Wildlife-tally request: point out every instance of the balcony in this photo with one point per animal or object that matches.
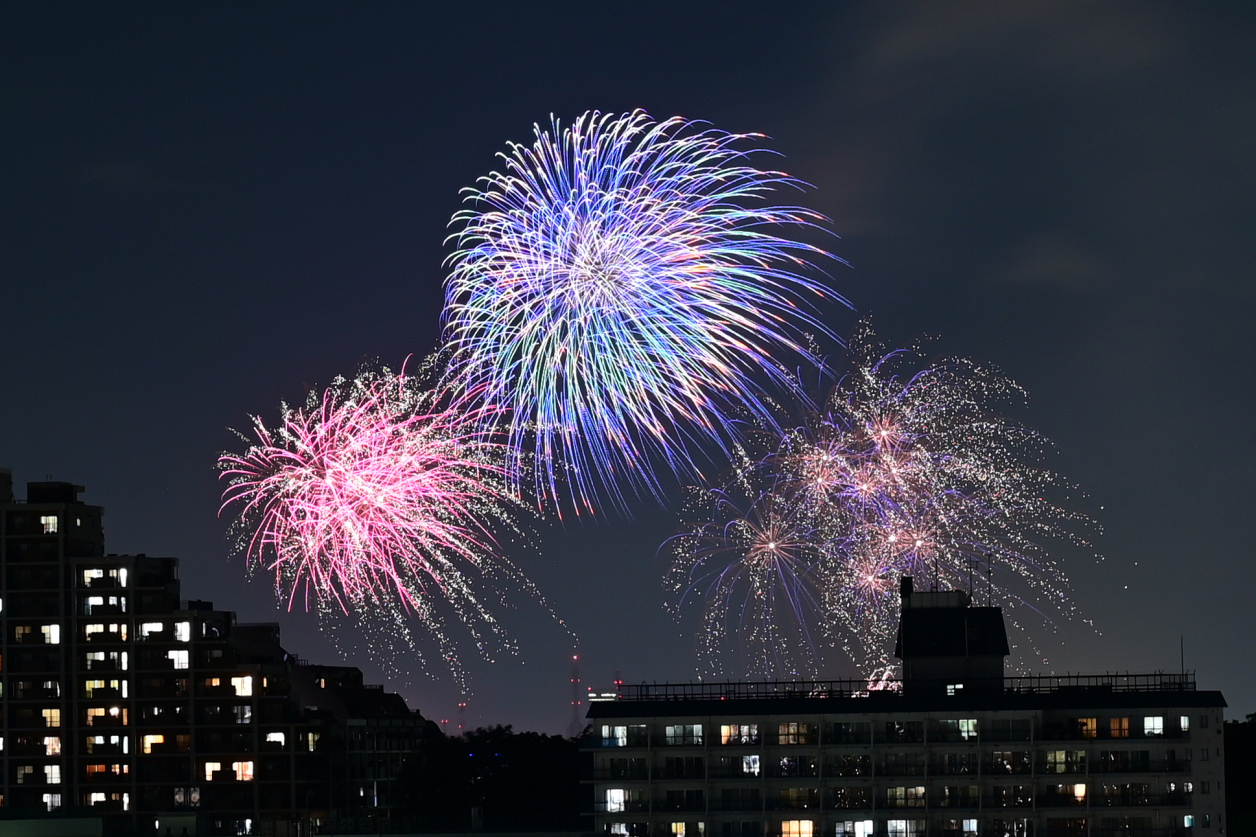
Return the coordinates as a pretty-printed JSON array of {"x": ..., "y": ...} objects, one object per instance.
[
  {"x": 731, "y": 773},
  {"x": 621, "y": 807},
  {"x": 1109, "y": 768},
  {"x": 811, "y": 804},
  {"x": 1003, "y": 768},
  {"x": 680, "y": 806},
  {"x": 687, "y": 772},
  {"x": 1050, "y": 799},
  {"x": 738, "y": 806},
  {"x": 1025, "y": 801}
]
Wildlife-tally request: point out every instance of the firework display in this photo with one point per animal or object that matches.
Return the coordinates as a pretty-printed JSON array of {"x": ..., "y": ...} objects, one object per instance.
[
  {"x": 621, "y": 289},
  {"x": 900, "y": 472},
  {"x": 376, "y": 500},
  {"x": 756, "y": 566}
]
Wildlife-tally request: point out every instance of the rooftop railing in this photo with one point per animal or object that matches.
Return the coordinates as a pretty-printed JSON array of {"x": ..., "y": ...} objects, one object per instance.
[{"x": 794, "y": 689}]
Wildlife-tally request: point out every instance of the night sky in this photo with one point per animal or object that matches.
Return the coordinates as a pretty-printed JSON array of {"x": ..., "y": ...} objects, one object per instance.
[{"x": 206, "y": 209}]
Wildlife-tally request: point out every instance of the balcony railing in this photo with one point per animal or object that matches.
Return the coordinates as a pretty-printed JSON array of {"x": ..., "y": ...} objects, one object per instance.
[
  {"x": 628, "y": 774},
  {"x": 621, "y": 807}
]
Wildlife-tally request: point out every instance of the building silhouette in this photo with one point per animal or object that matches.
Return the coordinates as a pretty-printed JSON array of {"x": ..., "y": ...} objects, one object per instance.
[
  {"x": 954, "y": 747},
  {"x": 164, "y": 715}
]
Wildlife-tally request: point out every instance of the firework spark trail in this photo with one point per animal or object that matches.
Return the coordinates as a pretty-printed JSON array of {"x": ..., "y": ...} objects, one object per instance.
[
  {"x": 614, "y": 290},
  {"x": 378, "y": 499},
  {"x": 908, "y": 475},
  {"x": 757, "y": 568}
]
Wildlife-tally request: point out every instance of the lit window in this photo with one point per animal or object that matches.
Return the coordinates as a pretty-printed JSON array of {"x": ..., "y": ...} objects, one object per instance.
[
  {"x": 243, "y": 686},
  {"x": 149, "y": 628},
  {"x": 178, "y": 658},
  {"x": 684, "y": 734},
  {"x": 312, "y": 740},
  {"x": 952, "y": 689},
  {"x": 243, "y": 770},
  {"x": 968, "y": 729},
  {"x": 52, "y": 745},
  {"x": 792, "y": 732},
  {"x": 243, "y": 714},
  {"x": 797, "y": 828},
  {"x": 1153, "y": 725},
  {"x": 52, "y": 634},
  {"x": 739, "y": 734},
  {"x": 52, "y": 800},
  {"x": 52, "y": 717},
  {"x": 1185, "y": 723},
  {"x": 1079, "y": 792},
  {"x": 905, "y": 828},
  {"x": 90, "y": 630},
  {"x": 49, "y": 523},
  {"x": 211, "y": 767},
  {"x": 615, "y": 799},
  {"x": 1119, "y": 727},
  {"x": 95, "y": 798},
  {"x": 91, "y": 575},
  {"x": 855, "y": 828},
  {"x": 52, "y": 774},
  {"x": 150, "y": 740},
  {"x": 275, "y": 738},
  {"x": 183, "y": 631},
  {"x": 1088, "y": 727},
  {"x": 678, "y": 829},
  {"x": 613, "y": 736},
  {"x": 1188, "y": 821},
  {"x": 21, "y": 632},
  {"x": 121, "y": 576},
  {"x": 23, "y": 772},
  {"x": 750, "y": 765},
  {"x": 969, "y": 827}
]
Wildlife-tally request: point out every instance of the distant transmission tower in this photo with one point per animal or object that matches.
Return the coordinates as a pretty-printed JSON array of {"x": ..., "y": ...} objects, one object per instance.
[
  {"x": 577, "y": 723},
  {"x": 462, "y": 716}
]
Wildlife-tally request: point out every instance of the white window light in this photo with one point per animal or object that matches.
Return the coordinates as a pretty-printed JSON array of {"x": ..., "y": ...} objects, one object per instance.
[
  {"x": 178, "y": 658},
  {"x": 49, "y": 523},
  {"x": 183, "y": 631},
  {"x": 615, "y": 800},
  {"x": 211, "y": 767},
  {"x": 52, "y": 634},
  {"x": 52, "y": 774},
  {"x": 243, "y": 686},
  {"x": 1153, "y": 725},
  {"x": 52, "y": 800},
  {"x": 276, "y": 738},
  {"x": 149, "y": 628}
]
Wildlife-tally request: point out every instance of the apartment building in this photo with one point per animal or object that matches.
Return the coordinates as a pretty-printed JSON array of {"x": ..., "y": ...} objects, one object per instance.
[
  {"x": 952, "y": 748},
  {"x": 164, "y": 715}
]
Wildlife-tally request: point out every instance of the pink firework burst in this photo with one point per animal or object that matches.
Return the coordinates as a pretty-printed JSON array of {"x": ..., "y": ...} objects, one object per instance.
[{"x": 378, "y": 498}]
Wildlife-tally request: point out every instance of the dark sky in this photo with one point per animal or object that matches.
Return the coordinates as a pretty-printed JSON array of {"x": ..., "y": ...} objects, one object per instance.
[{"x": 206, "y": 208}]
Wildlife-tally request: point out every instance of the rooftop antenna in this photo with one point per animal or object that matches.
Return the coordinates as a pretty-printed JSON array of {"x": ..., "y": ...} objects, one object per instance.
[
  {"x": 577, "y": 725},
  {"x": 990, "y": 579}
]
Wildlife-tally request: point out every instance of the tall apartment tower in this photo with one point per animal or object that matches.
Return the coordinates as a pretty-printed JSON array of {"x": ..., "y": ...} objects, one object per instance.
[{"x": 164, "y": 716}]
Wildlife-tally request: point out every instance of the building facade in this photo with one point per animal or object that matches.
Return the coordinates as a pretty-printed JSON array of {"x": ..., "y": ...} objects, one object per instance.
[
  {"x": 164, "y": 715},
  {"x": 953, "y": 748}
]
